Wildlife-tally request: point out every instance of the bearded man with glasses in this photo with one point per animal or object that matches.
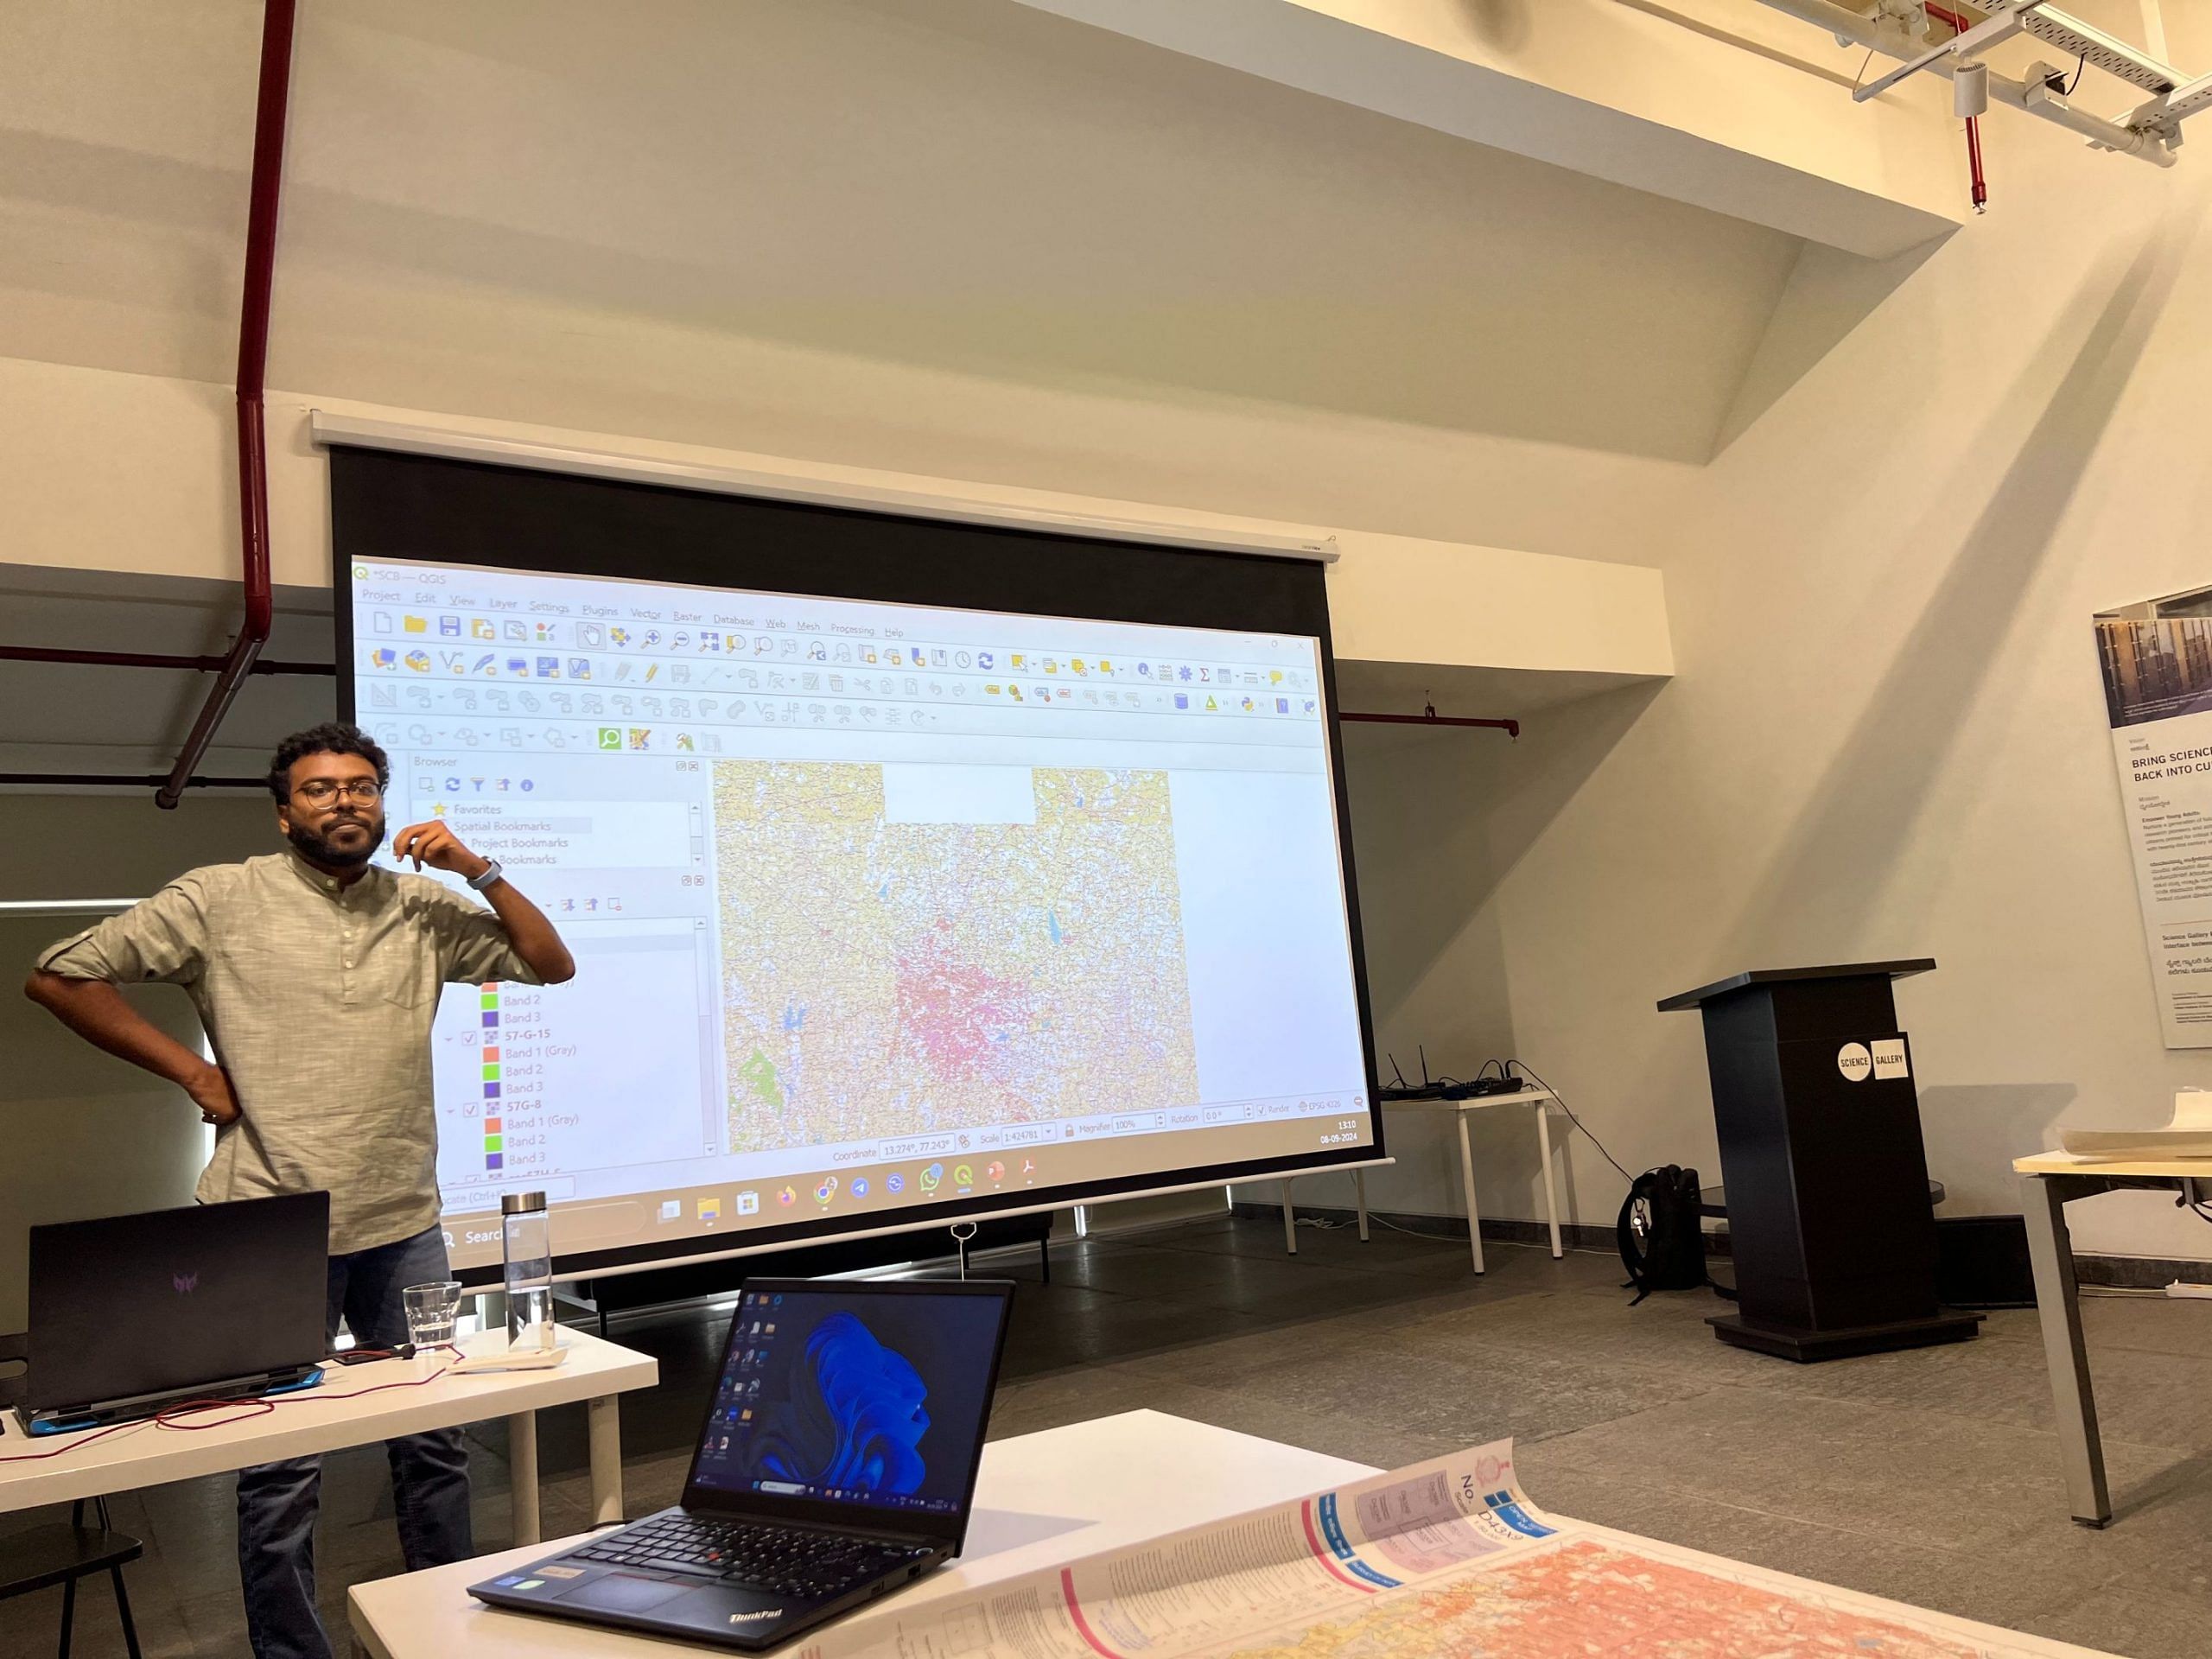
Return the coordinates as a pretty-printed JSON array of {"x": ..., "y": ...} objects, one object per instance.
[{"x": 316, "y": 974}]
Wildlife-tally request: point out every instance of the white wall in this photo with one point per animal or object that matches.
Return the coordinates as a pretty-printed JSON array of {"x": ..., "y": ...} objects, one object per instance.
[
  {"x": 1886, "y": 737},
  {"x": 87, "y": 1135},
  {"x": 130, "y": 473}
]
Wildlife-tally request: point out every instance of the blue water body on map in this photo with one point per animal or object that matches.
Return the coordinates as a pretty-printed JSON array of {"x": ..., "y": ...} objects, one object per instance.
[
  {"x": 794, "y": 1017},
  {"x": 1052, "y": 925}
]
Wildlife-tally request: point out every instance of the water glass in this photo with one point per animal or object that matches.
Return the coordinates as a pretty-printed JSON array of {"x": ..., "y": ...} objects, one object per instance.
[{"x": 431, "y": 1310}]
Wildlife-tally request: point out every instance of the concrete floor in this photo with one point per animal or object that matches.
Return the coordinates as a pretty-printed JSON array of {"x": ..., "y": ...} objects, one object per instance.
[{"x": 1930, "y": 1476}]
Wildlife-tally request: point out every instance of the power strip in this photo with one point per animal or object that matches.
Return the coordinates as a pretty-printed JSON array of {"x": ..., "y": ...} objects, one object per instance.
[{"x": 2182, "y": 1287}]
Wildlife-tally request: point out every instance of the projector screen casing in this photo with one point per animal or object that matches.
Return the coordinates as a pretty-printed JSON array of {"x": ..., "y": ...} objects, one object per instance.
[{"x": 422, "y": 509}]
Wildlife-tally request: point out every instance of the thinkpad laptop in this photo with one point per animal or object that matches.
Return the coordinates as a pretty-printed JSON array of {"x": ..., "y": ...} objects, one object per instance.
[
  {"x": 837, "y": 1461},
  {"x": 132, "y": 1314}
]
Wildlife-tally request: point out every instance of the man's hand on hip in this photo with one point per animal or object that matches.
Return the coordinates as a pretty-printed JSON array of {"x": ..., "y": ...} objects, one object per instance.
[
  {"x": 436, "y": 845},
  {"x": 211, "y": 1091}
]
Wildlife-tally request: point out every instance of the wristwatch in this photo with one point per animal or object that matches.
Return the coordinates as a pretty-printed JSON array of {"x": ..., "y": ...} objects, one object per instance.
[{"x": 490, "y": 872}]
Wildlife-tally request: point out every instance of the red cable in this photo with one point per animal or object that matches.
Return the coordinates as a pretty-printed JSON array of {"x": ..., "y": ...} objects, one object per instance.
[
  {"x": 98, "y": 1434},
  {"x": 1958, "y": 26}
]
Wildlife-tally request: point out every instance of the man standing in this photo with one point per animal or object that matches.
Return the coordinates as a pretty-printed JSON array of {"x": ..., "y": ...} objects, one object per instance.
[{"x": 316, "y": 977}]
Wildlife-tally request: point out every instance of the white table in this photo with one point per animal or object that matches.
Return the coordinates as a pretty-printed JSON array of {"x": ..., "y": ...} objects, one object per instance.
[
  {"x": 1541, "y": 1099},
  {"x": 324, "y": 1418},
  {"x": 1041, "y": 1500},
  {"x": 2049, "y": 1182}
]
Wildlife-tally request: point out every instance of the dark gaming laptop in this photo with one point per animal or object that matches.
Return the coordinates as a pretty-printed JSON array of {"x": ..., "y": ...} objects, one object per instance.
[
  {"x": 132, "y": 1314},
  {"x": 837, "y": 1461}
]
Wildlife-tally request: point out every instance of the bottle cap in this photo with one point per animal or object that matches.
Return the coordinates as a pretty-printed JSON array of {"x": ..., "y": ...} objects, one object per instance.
[{"x": 521, "y": 1204}]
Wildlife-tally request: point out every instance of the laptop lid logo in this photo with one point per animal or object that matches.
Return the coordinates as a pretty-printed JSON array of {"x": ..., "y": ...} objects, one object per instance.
[{"x": 186, "y": 1283}]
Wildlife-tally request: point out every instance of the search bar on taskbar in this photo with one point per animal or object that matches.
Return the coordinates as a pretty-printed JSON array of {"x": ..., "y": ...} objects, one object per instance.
[{"x": 467, "y": 1200}]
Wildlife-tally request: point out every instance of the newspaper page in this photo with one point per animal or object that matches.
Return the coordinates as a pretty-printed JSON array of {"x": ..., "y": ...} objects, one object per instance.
[{"x": 1447, "y": 1557}]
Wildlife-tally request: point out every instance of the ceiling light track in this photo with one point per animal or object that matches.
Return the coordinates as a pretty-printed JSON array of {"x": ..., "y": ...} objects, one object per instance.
[{"x": 2150, "y": 132}]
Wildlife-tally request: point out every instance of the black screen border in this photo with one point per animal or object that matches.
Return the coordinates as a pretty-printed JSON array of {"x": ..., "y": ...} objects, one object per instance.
[{"x": 428, "y": 509}]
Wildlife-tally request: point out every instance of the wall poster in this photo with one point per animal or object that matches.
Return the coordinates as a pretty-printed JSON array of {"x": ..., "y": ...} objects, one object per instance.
[{"x": 2157, "y": 662}]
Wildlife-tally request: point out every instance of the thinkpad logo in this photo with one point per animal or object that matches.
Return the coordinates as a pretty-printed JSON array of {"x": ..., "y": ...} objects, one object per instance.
[{"x": 754, "y": 1618}]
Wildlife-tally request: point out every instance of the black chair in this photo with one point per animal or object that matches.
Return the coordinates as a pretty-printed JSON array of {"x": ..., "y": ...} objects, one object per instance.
[{"x": 43, "y": 1556}]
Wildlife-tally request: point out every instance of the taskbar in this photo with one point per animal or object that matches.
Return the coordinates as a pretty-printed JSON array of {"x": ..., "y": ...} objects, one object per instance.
[{"x": 876, "y": 1193}]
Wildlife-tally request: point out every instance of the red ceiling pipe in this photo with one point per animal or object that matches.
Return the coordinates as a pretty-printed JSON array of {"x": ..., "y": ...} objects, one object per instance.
[
  {"x": 1959, "y": 25},
  {"x": 253, "y": 362}
]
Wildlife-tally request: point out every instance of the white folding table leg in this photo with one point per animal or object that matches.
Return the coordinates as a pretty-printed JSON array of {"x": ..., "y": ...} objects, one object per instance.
[
  {"x": 1468, "y": 1186},
  {"x": 1289, "y": 1220},
  {"x": 1551, "y": 1198},
  {"x": 1359, "y": 1192},
  {"x": 2059, "y": 1307},
  {"x": 522, "y": 1467},
  {"x": 603, "y": 1417}
]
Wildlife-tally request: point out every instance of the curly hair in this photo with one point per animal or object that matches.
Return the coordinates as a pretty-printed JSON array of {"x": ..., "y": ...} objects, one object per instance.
[{"x": 332, "y": 737}]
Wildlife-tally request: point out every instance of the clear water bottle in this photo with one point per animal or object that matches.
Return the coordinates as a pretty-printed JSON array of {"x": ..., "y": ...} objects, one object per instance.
[{"x": 529, "y": 1246}]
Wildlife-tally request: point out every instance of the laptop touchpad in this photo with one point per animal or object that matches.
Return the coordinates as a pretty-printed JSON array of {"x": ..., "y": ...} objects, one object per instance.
[{"x": 618, "y": 1593}]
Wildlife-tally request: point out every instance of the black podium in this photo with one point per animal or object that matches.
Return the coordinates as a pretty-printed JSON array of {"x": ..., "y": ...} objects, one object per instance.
[{"x": 1828, "y": 1215}]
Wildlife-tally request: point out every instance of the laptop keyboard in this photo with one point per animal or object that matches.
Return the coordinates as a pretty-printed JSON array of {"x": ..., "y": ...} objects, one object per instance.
[{"x": 795, "y": 1562}]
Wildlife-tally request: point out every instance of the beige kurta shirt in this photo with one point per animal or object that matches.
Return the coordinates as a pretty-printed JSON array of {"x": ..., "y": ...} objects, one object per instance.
[{"x": 317, "y": 999}]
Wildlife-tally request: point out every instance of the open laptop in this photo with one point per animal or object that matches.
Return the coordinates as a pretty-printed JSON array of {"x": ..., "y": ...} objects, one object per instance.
[
  {"x": 837, "y": 1461},
  {"x": 132, "y": 1314}
]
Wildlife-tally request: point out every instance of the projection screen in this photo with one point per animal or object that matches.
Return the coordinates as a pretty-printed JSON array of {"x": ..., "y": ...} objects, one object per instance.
[{"x": 914, "y": 870}]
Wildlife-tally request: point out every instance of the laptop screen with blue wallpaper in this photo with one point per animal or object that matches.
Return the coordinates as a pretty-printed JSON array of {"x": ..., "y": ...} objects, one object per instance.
[{"x": 845, "y": 1395}]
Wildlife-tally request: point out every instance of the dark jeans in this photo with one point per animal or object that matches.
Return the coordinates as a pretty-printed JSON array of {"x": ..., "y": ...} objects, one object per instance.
[{"x": 429, "y": 1472}]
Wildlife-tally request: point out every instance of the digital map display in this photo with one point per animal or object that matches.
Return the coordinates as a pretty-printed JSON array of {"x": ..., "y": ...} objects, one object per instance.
[{"x": 873, "y": 906}]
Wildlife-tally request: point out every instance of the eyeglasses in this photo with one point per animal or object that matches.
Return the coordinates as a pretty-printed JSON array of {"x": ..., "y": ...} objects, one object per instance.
[{"x": 320, "y": 792}]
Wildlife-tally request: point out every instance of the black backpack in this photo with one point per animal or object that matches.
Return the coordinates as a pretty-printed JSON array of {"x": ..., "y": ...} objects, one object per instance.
[{"x": 1662, "y": 1244}]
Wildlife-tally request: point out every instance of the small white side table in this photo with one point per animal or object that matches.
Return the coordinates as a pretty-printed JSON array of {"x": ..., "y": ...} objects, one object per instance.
[{"x": 1541, "y": 1099}]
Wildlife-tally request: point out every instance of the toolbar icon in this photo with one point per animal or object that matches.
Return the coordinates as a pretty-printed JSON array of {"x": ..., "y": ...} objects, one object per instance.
[
  {"x": 932, "y": 1177},
  {"x": 610, "y": 737}
]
